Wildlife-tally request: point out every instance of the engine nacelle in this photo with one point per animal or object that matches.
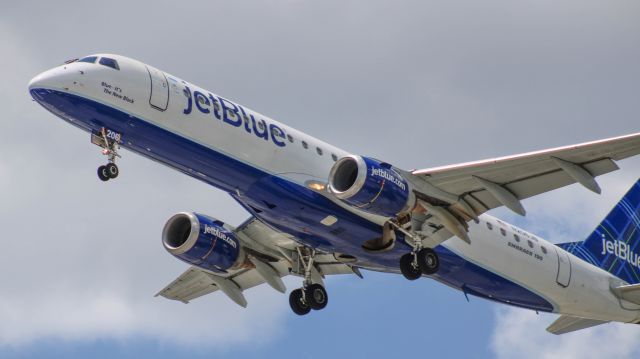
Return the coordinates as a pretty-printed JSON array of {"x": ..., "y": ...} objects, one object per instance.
[
  {"x": 371, "y": 185},
  {"x": 202, "y": 241}
]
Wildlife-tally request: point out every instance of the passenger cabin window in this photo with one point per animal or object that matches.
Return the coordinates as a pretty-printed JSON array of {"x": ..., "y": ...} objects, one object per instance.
[
  {"x": 503, "y": 232},
  {"x": 489, "y": 226},
  {"x": 319, "y": 150},
  {"x": 89, "y": 59},
  {"x": 109, "y": 63},
  {"x": 305, "y": 145}
]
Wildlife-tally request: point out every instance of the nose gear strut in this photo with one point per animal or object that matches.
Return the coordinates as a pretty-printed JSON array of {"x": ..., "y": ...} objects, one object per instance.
[{"x": 109, "y": 141}]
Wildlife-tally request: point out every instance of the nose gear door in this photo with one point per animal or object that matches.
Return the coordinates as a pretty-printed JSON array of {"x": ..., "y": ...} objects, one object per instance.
[{"x": 159, "y": 97}]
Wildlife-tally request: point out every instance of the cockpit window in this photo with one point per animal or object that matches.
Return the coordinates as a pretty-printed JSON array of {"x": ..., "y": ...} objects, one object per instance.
[
  {"x": 90, "y": 59},
  {"x": 110, "y": 63}
]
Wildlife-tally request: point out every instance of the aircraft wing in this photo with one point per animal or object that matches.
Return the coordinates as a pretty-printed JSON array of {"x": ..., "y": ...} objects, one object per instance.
[
  {"x": 196, "y": 282},
  {"x": 271, "y": 257},
  {"x": 505, "y": 181}
]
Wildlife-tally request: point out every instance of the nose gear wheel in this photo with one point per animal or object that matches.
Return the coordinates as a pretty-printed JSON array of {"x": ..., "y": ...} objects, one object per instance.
[{"x": 105, "y": 139}]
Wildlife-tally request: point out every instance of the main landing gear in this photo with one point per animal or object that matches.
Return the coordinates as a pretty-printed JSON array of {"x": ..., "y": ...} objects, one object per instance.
[
  {"x": 109, "y": 142},
  {"x": 311, "y": 295},
  {"x": 419, "y": 261}
]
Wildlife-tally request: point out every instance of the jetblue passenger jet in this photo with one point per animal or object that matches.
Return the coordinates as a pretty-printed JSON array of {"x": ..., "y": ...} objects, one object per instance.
[{"x": 316, "y": 210}]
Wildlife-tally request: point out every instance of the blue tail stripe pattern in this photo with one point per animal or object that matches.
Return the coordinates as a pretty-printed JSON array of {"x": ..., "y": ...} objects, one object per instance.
[{"x": 614, "y": 245}]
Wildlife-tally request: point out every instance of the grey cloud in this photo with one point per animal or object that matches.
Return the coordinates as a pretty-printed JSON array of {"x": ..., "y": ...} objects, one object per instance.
[{"x": 416, "y": 83}]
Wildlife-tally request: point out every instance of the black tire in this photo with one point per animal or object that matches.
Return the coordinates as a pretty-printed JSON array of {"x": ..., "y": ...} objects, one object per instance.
[
  {"x": 407, "y": 268},
  {"x": 297, "y": 304},
  {"x": 112, "y": 170},
  {"x": 317, "y": 297},
  {"x": 102, "y": 173},
  {"x": 428, "y": 261}
]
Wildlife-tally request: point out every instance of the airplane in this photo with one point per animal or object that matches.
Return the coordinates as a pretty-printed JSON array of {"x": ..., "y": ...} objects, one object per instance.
[{"x": 317, "y": 210}]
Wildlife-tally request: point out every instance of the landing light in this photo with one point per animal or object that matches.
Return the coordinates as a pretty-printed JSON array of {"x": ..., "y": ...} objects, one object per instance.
[{"x": 316, "y": 186}]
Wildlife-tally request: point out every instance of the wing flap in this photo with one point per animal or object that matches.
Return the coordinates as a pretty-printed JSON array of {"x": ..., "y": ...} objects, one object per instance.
[
  {"x": 196, "y": 282},
  {"x": 191, "y": 284},
  {"x": 566, "y": 324},
  {"x": 530, "y": 186}
]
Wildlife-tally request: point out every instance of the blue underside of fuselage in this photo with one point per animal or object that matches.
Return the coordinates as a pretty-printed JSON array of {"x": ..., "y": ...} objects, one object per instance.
[{"x": 284, "y": 205}]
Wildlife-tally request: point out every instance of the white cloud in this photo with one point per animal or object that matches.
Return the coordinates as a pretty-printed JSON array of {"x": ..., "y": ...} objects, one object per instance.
[
  {"x": 567, "y": 215},
  {"x": 521, "y": 334}
]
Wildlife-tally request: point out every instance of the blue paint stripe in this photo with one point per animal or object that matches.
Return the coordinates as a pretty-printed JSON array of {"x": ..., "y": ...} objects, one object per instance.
[{"x": 295, "y": 205}]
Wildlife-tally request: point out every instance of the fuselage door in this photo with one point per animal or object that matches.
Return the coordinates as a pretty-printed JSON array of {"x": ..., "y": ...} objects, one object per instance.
[
  {"x": 564, "y": 268},
  {"x": 159, "y": 98}
]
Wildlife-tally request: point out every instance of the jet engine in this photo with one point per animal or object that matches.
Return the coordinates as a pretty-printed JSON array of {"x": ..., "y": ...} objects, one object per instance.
[
  {"x": 202, "y": 241},
  {"x": 371, "y": 185}
]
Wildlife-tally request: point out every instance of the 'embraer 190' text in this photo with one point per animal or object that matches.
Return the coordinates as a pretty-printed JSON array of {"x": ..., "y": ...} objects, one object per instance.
[{"x": 234, "y": 115}]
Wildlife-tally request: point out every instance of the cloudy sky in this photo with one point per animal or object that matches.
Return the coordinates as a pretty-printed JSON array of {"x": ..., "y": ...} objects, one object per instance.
[{"x": 417, "y": 83}]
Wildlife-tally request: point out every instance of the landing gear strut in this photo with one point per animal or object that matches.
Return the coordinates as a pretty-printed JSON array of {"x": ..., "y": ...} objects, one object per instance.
[
  {"x": 419, "y": 261},
  {"x": 311, "y": 295},
  {"x": 109, "y": 142}
]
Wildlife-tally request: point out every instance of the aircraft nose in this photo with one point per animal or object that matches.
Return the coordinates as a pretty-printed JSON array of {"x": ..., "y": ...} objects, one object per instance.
[
  {"x": 56, "y": 79},
  {"x": 35, "y": 82},
  {"x": 42, "y": 80}
]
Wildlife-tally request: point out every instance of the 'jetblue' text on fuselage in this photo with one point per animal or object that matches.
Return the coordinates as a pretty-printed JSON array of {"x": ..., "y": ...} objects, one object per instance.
[{"x": 233, "y": 114}]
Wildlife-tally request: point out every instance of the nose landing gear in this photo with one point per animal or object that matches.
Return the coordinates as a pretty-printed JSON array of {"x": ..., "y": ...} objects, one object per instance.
[
  {"x": 109, "y": 141},
  {"x": 108, "y": 171}
]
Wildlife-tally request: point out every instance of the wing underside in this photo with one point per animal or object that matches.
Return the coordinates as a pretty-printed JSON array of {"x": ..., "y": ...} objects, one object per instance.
[
  {"x": 525, "y": 175},
  {"x": 272, "y": 256}
]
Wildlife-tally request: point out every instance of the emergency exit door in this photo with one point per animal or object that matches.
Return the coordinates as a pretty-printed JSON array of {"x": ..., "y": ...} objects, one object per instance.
[
  {"x": 564, "y": 268},
  {"x": 159, "y": 97}
]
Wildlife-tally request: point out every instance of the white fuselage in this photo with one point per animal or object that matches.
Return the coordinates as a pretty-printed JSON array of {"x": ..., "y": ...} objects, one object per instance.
[{"x": 571, "y": 285}]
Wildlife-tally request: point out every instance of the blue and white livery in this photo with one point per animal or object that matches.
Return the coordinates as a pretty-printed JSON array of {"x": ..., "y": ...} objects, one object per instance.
[{"x": 317, "y": 210}]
